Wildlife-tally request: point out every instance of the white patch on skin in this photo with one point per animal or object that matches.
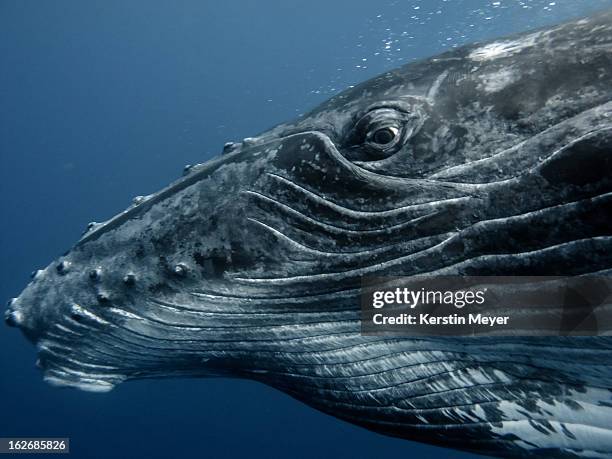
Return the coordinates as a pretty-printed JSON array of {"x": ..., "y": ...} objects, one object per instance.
[
  {"x": 501, "y": 49},
  {"x": 84, "y": 312},
  {"x": 65, "y": 329},
  {"x": 435, "y": 87},
  {"x": 17, "y": 317},
  {"x": 498, "y": 80},
  {"x": 272, "y": 153},
  {"x": 587, "y": 425},
  {"x": 127, "y": 314},
  {"x": 88, "y": 386}
]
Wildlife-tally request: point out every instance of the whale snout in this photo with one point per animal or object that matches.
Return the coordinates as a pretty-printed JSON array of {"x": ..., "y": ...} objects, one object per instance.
[
  {"x": 16, "y": 316},
  {"x": 48, "y": 315},
  {"x": 36, "y": 303},
  {"x": 45, "y": 306}
]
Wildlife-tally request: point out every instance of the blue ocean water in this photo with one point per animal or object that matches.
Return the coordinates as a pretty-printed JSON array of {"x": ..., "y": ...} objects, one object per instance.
[{"x": 102, "y": 101}]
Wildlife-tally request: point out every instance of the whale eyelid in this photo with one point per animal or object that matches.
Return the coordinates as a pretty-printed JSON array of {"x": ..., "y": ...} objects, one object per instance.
[
  {"x": 402, "y": 106},
  {"x": 416, "y": 109}
]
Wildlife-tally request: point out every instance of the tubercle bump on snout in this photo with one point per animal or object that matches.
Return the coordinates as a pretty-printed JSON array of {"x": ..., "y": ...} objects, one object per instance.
[
  {"x": 102, "y": 282},
  {"x": 11, "y": 316},
  {"x": 63, "y": 267}
]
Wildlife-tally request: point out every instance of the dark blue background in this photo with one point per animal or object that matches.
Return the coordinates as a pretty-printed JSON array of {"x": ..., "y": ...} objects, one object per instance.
[{"x": 104, "y": 100}]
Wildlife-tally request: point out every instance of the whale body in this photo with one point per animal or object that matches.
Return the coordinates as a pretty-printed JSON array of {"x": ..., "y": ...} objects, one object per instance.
[{"x": 491, "y": 159}]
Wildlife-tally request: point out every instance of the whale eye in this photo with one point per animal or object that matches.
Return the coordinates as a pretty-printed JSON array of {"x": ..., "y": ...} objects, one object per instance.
[
  {"x": 384, "y": 136},
  {"x": 380, "y": 133}
]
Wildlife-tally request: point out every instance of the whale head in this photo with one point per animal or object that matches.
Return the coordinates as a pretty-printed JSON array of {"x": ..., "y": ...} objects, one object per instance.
[{"x": 489, "y": 159}]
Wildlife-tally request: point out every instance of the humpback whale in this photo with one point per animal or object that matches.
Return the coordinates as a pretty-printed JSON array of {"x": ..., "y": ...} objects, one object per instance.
[{"x": 490, "y": 159}]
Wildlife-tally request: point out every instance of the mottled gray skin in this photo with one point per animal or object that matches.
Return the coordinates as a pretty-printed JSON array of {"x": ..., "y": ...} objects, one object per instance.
[{"x": 490, "y": 159}]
